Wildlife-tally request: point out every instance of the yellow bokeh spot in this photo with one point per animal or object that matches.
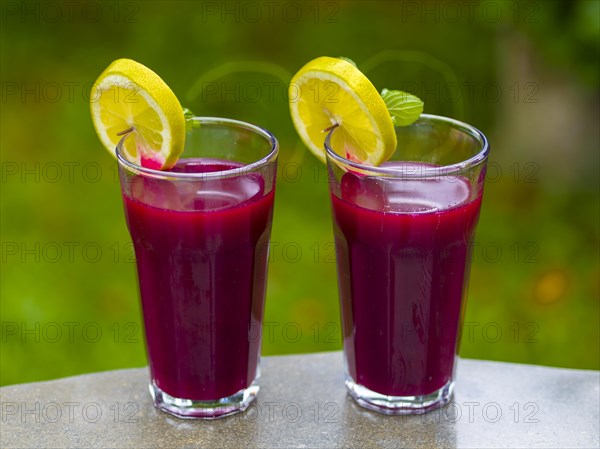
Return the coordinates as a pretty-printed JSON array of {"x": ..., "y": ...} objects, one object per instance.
[{"x": 551, "y": 286}]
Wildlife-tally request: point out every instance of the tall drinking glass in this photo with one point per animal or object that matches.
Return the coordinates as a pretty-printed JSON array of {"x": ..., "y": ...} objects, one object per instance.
[
  {"x": 201, "y": 236},
  {"x": 403, "y": 235}
]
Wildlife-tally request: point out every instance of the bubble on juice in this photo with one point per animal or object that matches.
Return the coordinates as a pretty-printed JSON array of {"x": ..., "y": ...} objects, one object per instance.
[
  {"x": 202, "y": 193},
  {"x": 363, "y": 191},
  {"x": 221, "y": 193},
  {"x": 411, "y": 191},
  {"x": 155, "y": 192}
]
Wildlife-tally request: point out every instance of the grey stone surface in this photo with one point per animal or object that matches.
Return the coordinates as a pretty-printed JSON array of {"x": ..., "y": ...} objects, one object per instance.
[{"x": 303, "y": 403}]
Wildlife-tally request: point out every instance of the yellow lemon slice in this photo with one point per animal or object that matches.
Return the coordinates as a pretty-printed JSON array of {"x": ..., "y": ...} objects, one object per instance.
[
  {"x": 330, "y": 92},
  {"x": 129, "y": 97}
]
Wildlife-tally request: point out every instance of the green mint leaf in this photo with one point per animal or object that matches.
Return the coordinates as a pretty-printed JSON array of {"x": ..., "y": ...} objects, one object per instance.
[
  {"x": 347, "y": 60},
  {"x": 404, "y": 108},
  {"x": 189, "y": 124}
]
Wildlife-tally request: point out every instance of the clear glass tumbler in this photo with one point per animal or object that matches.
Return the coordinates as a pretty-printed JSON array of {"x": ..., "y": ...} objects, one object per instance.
[
  {"x": 403, "y": 233},
  {"x": 201, "y": 236}
]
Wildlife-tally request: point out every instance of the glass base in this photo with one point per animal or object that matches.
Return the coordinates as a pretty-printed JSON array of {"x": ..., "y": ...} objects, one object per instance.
[
  {"x": 192, "y": 409},
  {"x": 399, "y": 405}
]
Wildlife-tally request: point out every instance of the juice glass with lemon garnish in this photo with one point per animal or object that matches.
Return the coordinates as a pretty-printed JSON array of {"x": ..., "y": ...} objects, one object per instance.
[
  {"x": 198, "y": 205},
  {"x": 405, "y": 202}
]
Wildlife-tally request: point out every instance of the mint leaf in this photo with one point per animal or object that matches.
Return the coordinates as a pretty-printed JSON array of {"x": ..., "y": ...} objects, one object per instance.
[
  {"x": 347, "y": 60},
  {"x": 189, "y": 124},
  {"x": 404, "y": 108}
]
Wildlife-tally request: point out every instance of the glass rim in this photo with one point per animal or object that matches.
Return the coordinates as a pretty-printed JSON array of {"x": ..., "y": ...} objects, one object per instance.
[
  {"x": 424, "y": 171},
  {"x": 219, "y": 174}
]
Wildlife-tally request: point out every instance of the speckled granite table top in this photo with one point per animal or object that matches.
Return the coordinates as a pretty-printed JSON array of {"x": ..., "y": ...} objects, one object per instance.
[{"x": 303, "y": 403}]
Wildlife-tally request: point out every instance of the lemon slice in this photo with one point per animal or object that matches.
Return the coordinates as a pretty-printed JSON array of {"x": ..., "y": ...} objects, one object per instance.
[
  {"x": 330, "y": 92},
  {"x": 129, "y": 97}
]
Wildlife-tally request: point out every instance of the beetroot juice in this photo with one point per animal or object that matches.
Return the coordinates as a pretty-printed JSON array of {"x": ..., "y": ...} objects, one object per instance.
[
  {"x": 403, "y": 262},
  {"x": 202, "y": 260},
  {"x": 403, "y": 234},
  {"x": 201, "y": 233}
]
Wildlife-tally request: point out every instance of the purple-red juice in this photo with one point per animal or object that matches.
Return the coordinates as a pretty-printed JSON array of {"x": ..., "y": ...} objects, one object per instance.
[
  {"x": 201, "y": 249},
  {"x": 403, "y": 251}
]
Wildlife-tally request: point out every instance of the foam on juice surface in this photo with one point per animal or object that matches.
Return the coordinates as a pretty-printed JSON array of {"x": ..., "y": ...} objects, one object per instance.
[
  {"x": 206, "y": 194},
  {"x": 411, "y": 193}
]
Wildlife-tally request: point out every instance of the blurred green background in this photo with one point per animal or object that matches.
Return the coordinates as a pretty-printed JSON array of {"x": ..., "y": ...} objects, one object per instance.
[{"x": 525, "y": 73}]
